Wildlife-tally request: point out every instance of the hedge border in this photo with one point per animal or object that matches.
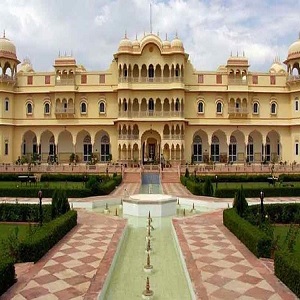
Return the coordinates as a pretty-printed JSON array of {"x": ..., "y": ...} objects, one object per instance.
[
  {"x": 7, "y": 274},
  {"x": 253, "y": 238}
]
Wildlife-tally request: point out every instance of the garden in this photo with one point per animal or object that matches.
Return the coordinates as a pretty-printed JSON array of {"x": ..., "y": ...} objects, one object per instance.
[
  {"x": 29, "y": 231},
  {"x": 75, "y": 186},
  {"x": 271, "y": 231},
  {"x": 225, "y": 186}
]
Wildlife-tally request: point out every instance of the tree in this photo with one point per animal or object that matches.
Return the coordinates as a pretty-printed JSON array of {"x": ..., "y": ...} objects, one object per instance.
[
  {"x": 60, "y": 203},
  {"x": 240, "y": 203},
  {"x": 208, "y": 189}
]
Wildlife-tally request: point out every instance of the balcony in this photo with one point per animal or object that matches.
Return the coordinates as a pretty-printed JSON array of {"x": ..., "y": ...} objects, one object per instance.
[
  {"x": 237, "y": 81},
  {"x": 150, "y": 79},
  {"x": 292, "y": 78},
  {"x": 7, "y": 79},
  {"x": 128, "y": 137},
  {"x": 64, "y": 112},
  {"x": 64, "y": 81},
  {"x": 236, "y": 111},
  {"x": 150, "y": 114},
  {"x": 173, "y": 136}
]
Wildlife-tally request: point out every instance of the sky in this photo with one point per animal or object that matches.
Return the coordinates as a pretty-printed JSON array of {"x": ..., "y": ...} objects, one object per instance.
[{"x": 91, "y": 30}]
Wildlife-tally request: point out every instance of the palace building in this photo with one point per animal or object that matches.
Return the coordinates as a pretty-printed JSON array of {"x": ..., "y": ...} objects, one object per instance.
[{"x": 150, "y": 104}]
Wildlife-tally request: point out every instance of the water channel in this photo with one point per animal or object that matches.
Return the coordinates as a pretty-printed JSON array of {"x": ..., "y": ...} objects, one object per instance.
[{"x": 168, "y": 279}]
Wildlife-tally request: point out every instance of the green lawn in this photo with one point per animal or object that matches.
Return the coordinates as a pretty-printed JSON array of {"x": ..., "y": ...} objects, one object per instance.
[
  {"x": 58, "y": 184},
  {"x": 8, "y": 229},
  {"x": 282, "y": 232}
]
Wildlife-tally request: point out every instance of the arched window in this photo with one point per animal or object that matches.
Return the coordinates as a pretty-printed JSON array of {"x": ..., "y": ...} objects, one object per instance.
[
  {"x": 46, "y": 108},
  {"x": 151, "y": 71},
  {"x": 297, "y": 147},
  {"x": 200, "y": 107},
  {"x": 83, "y": 108},
  {"x": 6, "y": 104},
  {"x": 102, "y": 107},
  {"x": 268, "y": 150},
  {"x": 151, "y": 105},
  {"x": 215, "y": 149},
  {"x": 255, "y": 108},
  {"x": 104, "y": 149},
  {"x": 87, "y": 149},
  {"x": 273, "y": 108},
  {"x": 296, "y": 104},
  {"x": 219, "y": 107},
  {"x": 29, "y": 108},
  {"x": 250, "y": 150},
  {"x": 177, "y": 105},
  {"x": 232, "y": 149},
  {"x": 125, "y": 72},
  {"x": 197, "y": 147}
]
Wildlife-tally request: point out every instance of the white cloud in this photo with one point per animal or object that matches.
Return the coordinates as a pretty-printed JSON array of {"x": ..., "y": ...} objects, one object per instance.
[{"x": 92, "y": 29}]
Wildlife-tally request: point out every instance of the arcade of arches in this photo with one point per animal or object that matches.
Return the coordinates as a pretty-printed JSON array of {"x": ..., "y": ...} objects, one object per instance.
[{"x": 149, "y": 146}]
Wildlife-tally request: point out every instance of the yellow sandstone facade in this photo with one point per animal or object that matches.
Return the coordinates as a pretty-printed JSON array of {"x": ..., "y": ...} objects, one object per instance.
[{"x": 151, "y": 104}]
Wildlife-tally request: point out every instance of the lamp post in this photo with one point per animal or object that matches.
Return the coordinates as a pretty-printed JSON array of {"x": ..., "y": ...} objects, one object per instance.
[
  {"x": 40, "y": 196},
  {"x": 262, "y": 211},
  {"x": 216, "y": 182}
]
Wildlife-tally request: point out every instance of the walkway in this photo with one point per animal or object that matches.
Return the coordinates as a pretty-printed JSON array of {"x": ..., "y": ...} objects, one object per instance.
[{"x": 219, "y": 265}]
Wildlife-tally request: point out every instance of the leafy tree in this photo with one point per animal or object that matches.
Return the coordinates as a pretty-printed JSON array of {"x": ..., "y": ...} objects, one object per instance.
[
  {"x": 208, "y": 189},
  {"x": 240, "y": 203}
]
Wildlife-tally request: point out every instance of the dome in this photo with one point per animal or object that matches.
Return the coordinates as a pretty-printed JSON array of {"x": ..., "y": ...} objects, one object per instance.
[
  {"x": 7, "y": 48},
  {"x": 166, "y": 44},
  {"x": 26, "y": 66},
  {"x": 294, "y": 49},
  {"x": 135, "y": 44},
  {"x": 277, "y": 68},
  {"x": 177, "y": 44},
  {"x": 125, "y": 45}
]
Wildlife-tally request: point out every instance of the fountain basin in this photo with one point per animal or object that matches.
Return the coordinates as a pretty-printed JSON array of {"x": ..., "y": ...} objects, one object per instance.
[{"x": 159, "y": 205}]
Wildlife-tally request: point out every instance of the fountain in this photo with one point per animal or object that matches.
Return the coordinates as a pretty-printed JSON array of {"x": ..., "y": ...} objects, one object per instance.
[
  {"x": 149, "y": 226},
  {"x": 106, "y": 209},
  {"x": 193, "y": 210},
  {"x": 148, "y": 248},
  {"x": 148, "y": 267},
  {"x": 147, "y": 293},
  {"x": 139, "y": 205}
]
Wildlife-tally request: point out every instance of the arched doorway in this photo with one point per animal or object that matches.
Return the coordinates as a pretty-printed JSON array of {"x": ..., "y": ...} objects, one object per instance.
[{"x": 151, "y": 144}]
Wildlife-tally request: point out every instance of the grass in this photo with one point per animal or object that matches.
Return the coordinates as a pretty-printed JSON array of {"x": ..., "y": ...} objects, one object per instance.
[
  {"x": 8, "y": 230},
  {"x": 282, "y": 231}
]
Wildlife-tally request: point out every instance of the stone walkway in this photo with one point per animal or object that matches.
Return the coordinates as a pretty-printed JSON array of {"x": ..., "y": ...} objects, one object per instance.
[
  {"x": 77, "y": 266},
  {"x": 219, "y": 265}
]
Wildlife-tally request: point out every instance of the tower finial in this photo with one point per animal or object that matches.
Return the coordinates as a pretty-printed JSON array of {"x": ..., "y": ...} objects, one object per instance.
[
  {"x": 176, "y": 35},
  {"x": 58, "y": 53},
  {"x": 243, "y": 53},
  {"x": 4, "y": 33},
  {"x": 299, "y": 35},
  {"x": 166, "y": 36},
  {"x": 125, "y": 34},
  {"x": 237, "y": 53},
  {"x": 231, "y": 53},
  {"x": 150, "y": 17},
  {"x": 136, "y": 36}
]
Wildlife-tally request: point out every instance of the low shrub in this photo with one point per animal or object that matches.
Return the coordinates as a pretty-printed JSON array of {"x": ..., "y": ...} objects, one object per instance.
[
  {"x": 254, "y": 192},
  {"x": 254, "y": 239},
  {"x": 60, "y": 204},
  {"x": 284, "y": 213},
  {"x": 7, "y": 274},
  {"x": 37, "y": 245},
  {"x": 194, "y": 187},
  {"x": 23, "y": 212},
  {"x": 287, "y": 269}
]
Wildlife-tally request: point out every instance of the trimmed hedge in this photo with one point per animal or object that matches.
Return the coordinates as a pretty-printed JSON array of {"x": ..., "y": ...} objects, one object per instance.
[
  {"x": 287, "y": 269},
  {"x": 31, "y": 192},
  {"x": 37, "y": 245},
  {"x": 253, "y": 238},
  {"x": 23, "y": 212},
  {"x": 283, "y": 213},
  {"x": 236, "y": 178},
  {"x": 254, "y": 192},
  {"x": 7, "y": 274}
]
